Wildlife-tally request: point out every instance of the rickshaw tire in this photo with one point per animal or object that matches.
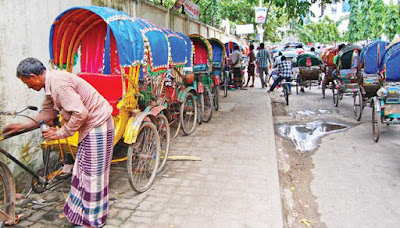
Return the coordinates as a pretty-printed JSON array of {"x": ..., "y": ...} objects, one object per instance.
[
  {"x": 376, "y": 123},
  {"x": 6, "y": 197},
  {"x": 226, "y": 86},
  {"x": 323, "y": 89},
  {"x": 176, "y": 129},
  {"x": 358, "y": 96},
  {"x": 209, "y": 97},
  {"x": 133, "y": 155},
  {"x": 163, "y": 155},
  {"x": 200, "y": 105},
  {"x": 216, "y": 98},
  {"x": 188, "y": 130}
]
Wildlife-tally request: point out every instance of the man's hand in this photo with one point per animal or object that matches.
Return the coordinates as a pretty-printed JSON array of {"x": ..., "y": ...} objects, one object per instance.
[
  {"x": 13, "y": 128},
  {"x": 50, "y": 134}
]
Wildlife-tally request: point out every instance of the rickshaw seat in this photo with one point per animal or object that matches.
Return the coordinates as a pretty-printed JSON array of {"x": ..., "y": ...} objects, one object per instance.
[{"x": 109, "y": 86}]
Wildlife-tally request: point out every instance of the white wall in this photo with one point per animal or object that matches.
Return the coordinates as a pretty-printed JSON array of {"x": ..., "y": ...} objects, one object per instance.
[{"x": 25, "y": 28}]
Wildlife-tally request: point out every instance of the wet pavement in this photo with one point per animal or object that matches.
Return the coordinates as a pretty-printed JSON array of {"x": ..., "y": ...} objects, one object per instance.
[
  {"x": 307, "y": 136},
  {"x": 234, "y": 185}
]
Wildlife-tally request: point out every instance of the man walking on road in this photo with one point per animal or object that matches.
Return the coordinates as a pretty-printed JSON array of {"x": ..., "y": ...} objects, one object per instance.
[{"x": 263, "y": 58}]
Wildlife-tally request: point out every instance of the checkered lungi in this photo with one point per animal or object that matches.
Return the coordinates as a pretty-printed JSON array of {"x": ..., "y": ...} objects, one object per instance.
[{"x": 87, "y": 202}]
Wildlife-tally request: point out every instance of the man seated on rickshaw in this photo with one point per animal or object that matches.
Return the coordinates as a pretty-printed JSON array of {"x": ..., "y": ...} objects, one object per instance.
[
  {"x": 284, "y": 72},
  {"x": 336, "y": 61}
]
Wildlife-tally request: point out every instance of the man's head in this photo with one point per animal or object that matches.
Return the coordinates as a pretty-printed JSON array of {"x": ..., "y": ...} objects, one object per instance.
[
  {"x": 262, "y": 46},
  {"x": 312, "y": 49},
  {"x": 251, "y": 47},
  {"x": 280, "y": 54},
  {"x": 30, "y": 71},
  {"x": 283, "y": 58},
  {"x": 236, "y": 48},
  {"x": 341, "y": 46}
]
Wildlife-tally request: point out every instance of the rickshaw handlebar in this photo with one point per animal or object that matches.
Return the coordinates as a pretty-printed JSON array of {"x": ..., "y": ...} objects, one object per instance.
[{"x": 16, "y": 113}]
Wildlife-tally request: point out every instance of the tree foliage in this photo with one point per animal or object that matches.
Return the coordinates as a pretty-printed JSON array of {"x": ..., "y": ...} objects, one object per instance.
[
  {"x": 392, "y": 26},
  {"x": 324, "y": 31}
]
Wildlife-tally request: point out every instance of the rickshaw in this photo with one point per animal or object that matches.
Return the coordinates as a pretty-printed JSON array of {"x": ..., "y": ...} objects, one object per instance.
[
  {"x": 218, "y": 60},
  {"x": 180, "y": 99},
  {"x": 202, "y": 69},
  {"x": 116, "y": 57},
  {"x": 329, "y": 67},
  {"x": 310, "y": 67},
  {"x": 348, "y": 73},
  {"x": 386, "y": 103},
  {"x": 229, "y": 47},
  {"x": 370, "y": 58}
]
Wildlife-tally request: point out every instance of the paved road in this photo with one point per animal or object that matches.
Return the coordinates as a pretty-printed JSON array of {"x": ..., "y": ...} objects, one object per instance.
[
  {"x": 234, "y": 185},
  {"x": 353, "y": 179}
]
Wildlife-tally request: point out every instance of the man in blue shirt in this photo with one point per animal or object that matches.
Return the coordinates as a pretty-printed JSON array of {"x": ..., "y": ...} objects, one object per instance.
[{"x": 263, "y": 58}]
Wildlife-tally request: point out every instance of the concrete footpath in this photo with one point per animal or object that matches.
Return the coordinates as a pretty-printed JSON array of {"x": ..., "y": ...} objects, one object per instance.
[{"x": 235, "y": 184}]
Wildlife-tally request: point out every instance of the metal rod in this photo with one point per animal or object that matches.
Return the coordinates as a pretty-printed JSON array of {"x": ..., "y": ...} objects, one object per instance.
[{"x": 21, "y": 165}]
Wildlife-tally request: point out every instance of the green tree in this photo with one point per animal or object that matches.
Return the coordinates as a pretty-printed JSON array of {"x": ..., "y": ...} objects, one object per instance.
[
  {"x": 324, "y": 31},
  {"x": 392, "y": 26}
]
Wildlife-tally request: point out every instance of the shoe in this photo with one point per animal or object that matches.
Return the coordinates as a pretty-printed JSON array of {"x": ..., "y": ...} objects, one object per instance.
[
  {"x": 243, "y": 89},
  {"x": 246, "y": 86},
  {"x": 302, "y": 90},
  {"x": 251, "y": 86}
]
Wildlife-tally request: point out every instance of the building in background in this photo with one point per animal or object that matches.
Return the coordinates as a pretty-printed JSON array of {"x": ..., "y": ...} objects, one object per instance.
[{"x": 335, "y": 11}]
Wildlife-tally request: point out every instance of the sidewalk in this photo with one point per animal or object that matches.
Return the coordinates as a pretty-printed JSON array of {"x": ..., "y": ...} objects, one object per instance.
[{"x": 235, "y": 184}]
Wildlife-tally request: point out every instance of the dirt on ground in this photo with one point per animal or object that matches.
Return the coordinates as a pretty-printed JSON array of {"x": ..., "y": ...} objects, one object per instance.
[{"x": 300, "y": 208}]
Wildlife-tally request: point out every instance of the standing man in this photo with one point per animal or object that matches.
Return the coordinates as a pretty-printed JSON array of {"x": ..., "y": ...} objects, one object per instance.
[
  {"x": 263, "y": 62},
  {"x": 251, "y": 66},
  {"x": 87, "y": 112},
  {"x": 236, "y": 62}
]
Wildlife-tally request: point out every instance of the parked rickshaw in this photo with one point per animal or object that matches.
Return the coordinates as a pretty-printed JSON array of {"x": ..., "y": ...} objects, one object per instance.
[
  {"x": 386, "y": 103},
  {"x": 218, "y": 70},
  {"x": 180, "y": 99},
  {"x": 329, "y": 67},
  {"x": 348, "y": 74},
  {"x": 119, "y": 56},
  {"x": 371, "y": 80},
  {"x": 202, "y": 69},
  {"x": 310, "y": 67}
]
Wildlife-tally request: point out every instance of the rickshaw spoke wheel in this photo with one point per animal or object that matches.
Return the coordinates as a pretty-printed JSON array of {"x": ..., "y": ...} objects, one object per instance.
[
  {"x": 358, "y": 105},
  {"x": 226, "y": 84},
  {"x": 216, "y": 98},
  {"x": 200, "y": 108},
  {"x": 376, "y": 123},
  {"x": 188, "y": 114},
  {"x": 143, "y": 158},
  {"x": 175, "y": 126},
  {"x": 5, "y": 194},
  {"x": 208, "y": 104},
  {"x": 164, "y": 133}
]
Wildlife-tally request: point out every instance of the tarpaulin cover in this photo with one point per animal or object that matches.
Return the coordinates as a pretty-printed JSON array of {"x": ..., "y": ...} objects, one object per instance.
[
  {"x": 202, "y": 50},
  {"x": 75, "y": 22},
  {"x": 229, "y": 47},
  {"x": 302, "y": 59},
  {"x": 372, "y": 55},
  {"x": 391, "y": 60},
  {"x": 178, "y": 48},
  {"x": 189, "y": 53},
  {"x": 218, "y": 49},
  {"x": 158, "y": 42}
]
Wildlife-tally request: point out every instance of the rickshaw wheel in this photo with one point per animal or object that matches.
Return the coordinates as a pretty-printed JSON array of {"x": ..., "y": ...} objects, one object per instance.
[
  {"x": 175, "y": 126},
  {"x": 297, "y": 85},
  {"x": 200, "y": 108},
  {"x": 323, "y": 85},
  {"x": 208, "y": 104},
  {"x": 5, "y": 194},
  {"x": 358, "y": 105},
  {"x": 164, "y": 132},
  {"x": 216, "y": 98},
  {"x": 335, "y": 92},
  {"x": 226, "y": 84},
  {"x": 188, "y": 114},
  {"x": 376, "y": 123},
  {"x": 143, "y": 158}
]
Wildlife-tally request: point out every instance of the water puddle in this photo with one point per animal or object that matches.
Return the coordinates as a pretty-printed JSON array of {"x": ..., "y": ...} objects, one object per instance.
[
  {"x": 306, "y": 136},
  {"x": 306, "y": 113}
]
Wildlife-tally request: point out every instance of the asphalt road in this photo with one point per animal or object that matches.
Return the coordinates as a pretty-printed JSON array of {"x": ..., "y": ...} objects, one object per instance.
[{"x": 353, "y": 181}]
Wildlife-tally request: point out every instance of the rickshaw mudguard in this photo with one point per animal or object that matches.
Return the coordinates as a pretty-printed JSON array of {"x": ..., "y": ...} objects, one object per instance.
[
  {"x": 377, "y": 104},
  {"x": 133, "y": 126},
  {"x": 155, "y": 110},
  {"x": 182, "y": 94}
]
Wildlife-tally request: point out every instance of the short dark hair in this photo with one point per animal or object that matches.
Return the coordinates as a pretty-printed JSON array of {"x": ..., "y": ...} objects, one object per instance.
[
  {"x": 280, "y": 53},
  {"x": 262, "y": 46},
  {"x": 30, "y": 66},
  {"x": 251, "y": 47},
  {"x": 283, "y": 58},
  {"x": 341, "y": 46},
  {"x": 312, "y": 48}
]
